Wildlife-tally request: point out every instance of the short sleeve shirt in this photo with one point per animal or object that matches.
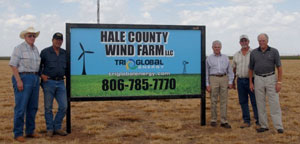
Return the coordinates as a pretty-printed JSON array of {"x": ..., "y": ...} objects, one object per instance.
[
  {"x": 241, "y": 63},
  {"x": 25, "y": 58},
  {"x": 264, "y": 62}
]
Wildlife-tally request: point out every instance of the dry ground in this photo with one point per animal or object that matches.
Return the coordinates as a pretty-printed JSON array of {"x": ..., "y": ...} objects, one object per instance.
[{"x": 157, "y": 121}]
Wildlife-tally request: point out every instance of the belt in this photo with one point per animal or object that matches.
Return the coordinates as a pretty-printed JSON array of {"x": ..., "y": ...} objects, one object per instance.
[
  {"x": 243, "y": 77},
  {"x": 218, "y": 75},
  {"x": 56, "y": 78},
  {"x": 266, "y": 74},
  {"x": 35, "y": 73}
]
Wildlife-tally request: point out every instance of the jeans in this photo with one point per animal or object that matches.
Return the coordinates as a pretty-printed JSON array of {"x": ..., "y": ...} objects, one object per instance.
[
  {"x": 26, "y": 103},
  {"x": 54, "y": 89},
  {"x": 243, "y": 92}
]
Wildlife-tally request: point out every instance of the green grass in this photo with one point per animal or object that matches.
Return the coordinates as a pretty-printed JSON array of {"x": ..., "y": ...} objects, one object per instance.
[{"x": 91, "y": 86}]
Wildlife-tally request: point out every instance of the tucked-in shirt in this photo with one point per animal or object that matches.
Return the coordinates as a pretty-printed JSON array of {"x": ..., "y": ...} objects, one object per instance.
[
  {"x": 218, "y": 65},
  {"x": 241, "y": 63},
  {"x": 25, "y": 58},
  {"x": 264, "y": 62},
  {"x": 53, "y": 65}
]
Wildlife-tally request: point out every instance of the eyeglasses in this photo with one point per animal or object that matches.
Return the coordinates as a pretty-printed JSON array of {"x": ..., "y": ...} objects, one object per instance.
[
  {"x": 31, "y": 35},
  {"x": 243, "y": 40}
]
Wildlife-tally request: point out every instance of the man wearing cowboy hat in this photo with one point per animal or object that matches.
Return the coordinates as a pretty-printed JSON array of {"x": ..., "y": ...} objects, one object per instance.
[{"x": 25, "y": 62}]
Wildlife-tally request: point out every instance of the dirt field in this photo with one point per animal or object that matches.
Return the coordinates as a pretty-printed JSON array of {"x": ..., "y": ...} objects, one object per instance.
[{"x": 158, "y": 121}]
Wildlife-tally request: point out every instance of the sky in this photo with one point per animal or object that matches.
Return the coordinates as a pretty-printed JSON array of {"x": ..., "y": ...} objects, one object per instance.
[{"x": 225, "y": 20}]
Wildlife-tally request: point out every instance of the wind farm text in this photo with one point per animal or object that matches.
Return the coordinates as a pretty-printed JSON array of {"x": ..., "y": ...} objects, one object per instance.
[{"x": 136, "y": 43}]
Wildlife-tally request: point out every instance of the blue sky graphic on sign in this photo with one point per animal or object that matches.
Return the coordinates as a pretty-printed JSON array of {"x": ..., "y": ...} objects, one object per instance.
[{"x": 135, "y": 50}]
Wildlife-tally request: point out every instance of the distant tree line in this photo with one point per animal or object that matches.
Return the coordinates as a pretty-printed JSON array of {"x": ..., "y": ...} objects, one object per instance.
[
  {"x": 230, "y": 57},
  {"x": 5, "y": 58},
  {"x": 281, "y": 57}
]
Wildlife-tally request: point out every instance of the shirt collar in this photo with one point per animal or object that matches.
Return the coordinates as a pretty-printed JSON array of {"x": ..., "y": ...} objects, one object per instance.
[
  {"x": 249, "y": 50},
  {"x": 268, "y": 49},
  {"x": 217, "y": 55},
  {"x": 28, "y": 46},
  {"x": 52, "y": 50}
]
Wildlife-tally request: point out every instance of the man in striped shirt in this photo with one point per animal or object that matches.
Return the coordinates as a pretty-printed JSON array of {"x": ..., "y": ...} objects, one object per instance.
[
  {"x": 25, "y": 63},
  {"x": 240, "y": 66}
]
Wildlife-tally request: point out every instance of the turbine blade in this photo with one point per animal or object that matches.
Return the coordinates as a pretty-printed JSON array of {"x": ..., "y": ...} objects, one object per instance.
[
  {"x": 81, "y": 46},
  {"x": 88, "y": 52},
  {"x": 80, "y": 56}
]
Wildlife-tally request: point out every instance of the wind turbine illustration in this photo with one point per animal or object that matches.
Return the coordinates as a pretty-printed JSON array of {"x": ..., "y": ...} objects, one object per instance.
[
  {"x": 83, "y": 54},
  {"x": 184, "y": 66}
]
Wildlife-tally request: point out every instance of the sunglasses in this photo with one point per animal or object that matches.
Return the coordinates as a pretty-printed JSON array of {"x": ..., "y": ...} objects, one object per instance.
[{"x": 31, "y": 35}]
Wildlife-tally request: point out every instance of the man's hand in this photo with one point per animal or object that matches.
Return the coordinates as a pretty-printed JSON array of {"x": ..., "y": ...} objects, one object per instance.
[
  {"x": 208, "y": 88},
  {"x": 44, "y": 77},
  {"x": 251, "y": 86},
  {"x": 230, "y": 86},
  {"x": 278, "y": 87},
  {"x": 233, "y": 85},
  {"x": 20, "y": 85}
]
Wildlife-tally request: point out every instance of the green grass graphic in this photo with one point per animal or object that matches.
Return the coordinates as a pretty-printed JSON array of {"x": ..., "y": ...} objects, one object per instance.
[{"x": 91, "y": 86}]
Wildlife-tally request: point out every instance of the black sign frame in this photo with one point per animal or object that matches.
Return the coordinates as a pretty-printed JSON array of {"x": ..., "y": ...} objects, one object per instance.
[{"x": 202, "y": 96}]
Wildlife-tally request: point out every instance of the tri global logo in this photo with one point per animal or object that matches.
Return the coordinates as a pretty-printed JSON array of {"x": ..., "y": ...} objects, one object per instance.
[{"x": 132, "y": 64}]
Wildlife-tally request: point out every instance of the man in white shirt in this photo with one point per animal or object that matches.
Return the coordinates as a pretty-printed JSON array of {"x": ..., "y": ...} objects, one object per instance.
[{"x": 240, "y": 66}]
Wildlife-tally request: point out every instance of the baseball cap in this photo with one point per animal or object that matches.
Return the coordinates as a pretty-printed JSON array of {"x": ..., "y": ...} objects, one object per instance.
[
  {"x": 244, "y": 37},
  {"x": 58, "y": 36}
]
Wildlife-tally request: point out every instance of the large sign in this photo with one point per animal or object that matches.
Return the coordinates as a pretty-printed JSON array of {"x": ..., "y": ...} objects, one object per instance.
[{"x": 135, "y": 61}]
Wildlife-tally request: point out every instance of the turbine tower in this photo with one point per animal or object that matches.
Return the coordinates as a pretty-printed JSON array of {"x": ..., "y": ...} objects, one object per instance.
[
  {"x": 184, "y": 66},
  {"x": 83, "y": 54}
]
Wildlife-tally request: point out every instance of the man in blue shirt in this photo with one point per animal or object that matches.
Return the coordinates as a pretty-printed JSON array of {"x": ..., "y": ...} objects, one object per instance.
[
  {"x": 53, "y": 69},
  {"x": 219, "y": 77}
]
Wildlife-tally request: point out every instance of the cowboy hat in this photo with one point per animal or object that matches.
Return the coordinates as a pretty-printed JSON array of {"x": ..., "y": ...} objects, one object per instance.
[{"x": 29, "y": 30}]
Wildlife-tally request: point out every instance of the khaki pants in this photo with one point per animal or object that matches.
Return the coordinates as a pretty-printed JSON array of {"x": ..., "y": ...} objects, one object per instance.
[
  {"x": 265, "y": 86},
  {"x": 219, "y": 88}
]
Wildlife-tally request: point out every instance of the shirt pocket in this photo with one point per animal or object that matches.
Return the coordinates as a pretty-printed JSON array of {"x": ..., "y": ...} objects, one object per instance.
[
  {"x": 224, "y": 64},
  {"x": 52, "y": 64},
  {"x": 63, "y": 63},
  {"x": 38, "y": 59},
  {"x": 26, "y": 60},
  {"x": 270, "y": 58}
]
